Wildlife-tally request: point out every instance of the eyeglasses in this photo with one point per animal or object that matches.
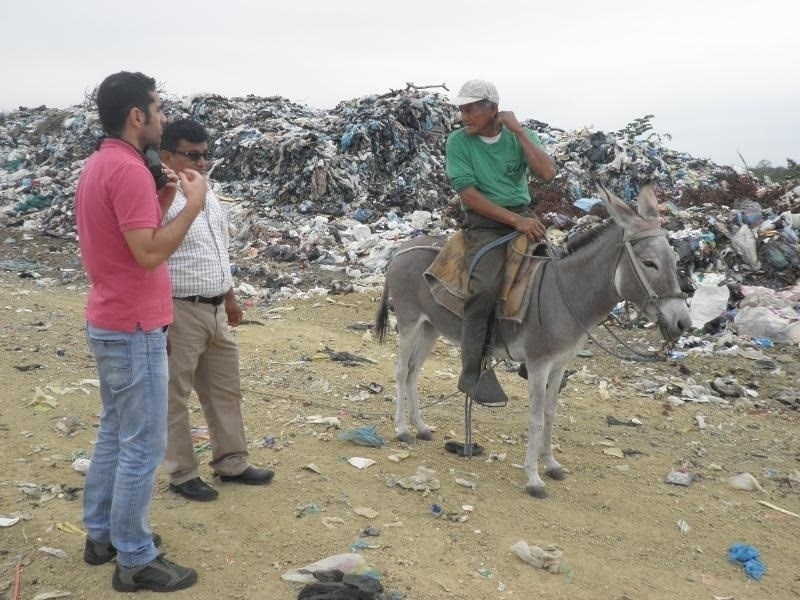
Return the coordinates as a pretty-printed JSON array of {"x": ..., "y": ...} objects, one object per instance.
[{"x": 192, "y": 155}]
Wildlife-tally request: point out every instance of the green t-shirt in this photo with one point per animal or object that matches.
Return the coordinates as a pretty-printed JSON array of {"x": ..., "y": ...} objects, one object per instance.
[{"x": 497, "y": 170}]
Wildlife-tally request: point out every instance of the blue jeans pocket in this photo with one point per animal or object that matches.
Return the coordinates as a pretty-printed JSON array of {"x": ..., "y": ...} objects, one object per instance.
[{"x": 113, "y": 362}]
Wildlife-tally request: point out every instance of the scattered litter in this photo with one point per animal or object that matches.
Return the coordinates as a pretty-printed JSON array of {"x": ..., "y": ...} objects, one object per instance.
[
  {"x": 614, "y": 451},
  {"x": 360, "y": 463},
  {"x": 363, "y": 545},
  {"x": 57, "y": 552},
  {"x": 332, "y": 522},
  {"x": 312, "y": 467},
  {"x": 52, "y": 594},
  {"x": 45, "y": 493},
  {"x": 346, "y": 358},
  {"x": 745, "y": 481},
  {"x": 632, "y": 422},
  {"x": 68, "y": 527},
  {"x": 683, "y": 526},
  {"x": 370, "y": 532},
  {"x": 335, "y": 585},
  {"x": 467, "y": 483},
  {"x": 9, "y": 521},
  {"x": 547, "y": 558},
  {"x": 42, "y": 402},
  {"x": 398, "y": 456},
  {"x": 320, "y": 420},
  {"x": 346, "y": 563},
  {"x": 366, "y": 512},
  {"x": 683, "y": 478},
  {"x": 749, "y": 558},
  {"x": 366, "y": 435},
  {"x": 301, "y": 509},
  {"x": 779, "y": 509},
  {"x": 424, "y": 480},
  {"x": 81, "y": 465},
  {"x": 69, "y": 426}
]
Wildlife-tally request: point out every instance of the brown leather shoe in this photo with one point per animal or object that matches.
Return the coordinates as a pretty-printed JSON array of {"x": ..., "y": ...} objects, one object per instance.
[
  {"x": 195, "y": 489},
  {"x": 250, "y": 476}
]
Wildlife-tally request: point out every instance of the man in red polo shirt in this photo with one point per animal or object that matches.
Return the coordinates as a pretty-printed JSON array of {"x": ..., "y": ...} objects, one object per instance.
[{"x": 118, "y": 211}]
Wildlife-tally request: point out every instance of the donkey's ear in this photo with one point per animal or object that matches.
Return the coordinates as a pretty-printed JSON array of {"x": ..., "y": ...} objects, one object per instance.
[
  {"x": 618, "y": 208},
  {"x": 648, "y": 203}
]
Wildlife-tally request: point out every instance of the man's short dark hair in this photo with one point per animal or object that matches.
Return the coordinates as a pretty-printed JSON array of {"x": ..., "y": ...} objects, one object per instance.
[
  {"x": 182, "y": 129},
  {"x": 118, "y": 94},
  {"x": 487, "y": 105}
]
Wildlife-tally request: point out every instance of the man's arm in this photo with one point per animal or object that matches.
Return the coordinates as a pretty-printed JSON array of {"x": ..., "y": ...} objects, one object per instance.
[
  {"x": 475, "y": 200},
  {"x": 538, "y": 161},
  {"x": 151, "y": 247}
]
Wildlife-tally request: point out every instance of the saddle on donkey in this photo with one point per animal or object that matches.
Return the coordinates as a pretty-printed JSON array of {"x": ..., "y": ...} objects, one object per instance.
[{"x": 448, "y": 280}]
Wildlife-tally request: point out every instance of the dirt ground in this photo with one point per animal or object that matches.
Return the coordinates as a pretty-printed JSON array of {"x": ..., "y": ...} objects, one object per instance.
[{"x": 624, "y": 533}]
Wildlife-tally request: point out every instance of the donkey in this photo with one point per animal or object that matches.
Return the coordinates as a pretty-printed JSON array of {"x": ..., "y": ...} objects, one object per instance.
[{"x": 626, "y": 258}]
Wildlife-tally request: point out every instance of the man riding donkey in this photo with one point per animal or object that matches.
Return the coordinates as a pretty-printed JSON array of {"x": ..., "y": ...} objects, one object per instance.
[{"x": 488, "y": 160}]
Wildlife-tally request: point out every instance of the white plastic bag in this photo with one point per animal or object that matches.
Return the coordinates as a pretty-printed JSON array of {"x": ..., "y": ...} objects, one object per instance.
[
  {"x": 708, "y": 302},
  {"x": 760, "y": 322},
  {"x": 346, "y": 563}
]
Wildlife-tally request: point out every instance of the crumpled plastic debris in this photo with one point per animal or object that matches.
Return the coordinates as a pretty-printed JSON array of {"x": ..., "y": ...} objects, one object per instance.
[
  {"x": 345, "y": 563},
  {"x": 336, "y": 586},
  {"x": 749, "y": 558},
  {"x": 366, "y": 435},
  {"x": 423, "y": 480},
  {"x": 548, "y": 558}
]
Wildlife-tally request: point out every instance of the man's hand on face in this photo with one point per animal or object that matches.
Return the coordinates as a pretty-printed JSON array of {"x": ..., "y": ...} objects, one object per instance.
[
  {"x": 509, "y": 119},
  {"x": 194, "y": 188}
]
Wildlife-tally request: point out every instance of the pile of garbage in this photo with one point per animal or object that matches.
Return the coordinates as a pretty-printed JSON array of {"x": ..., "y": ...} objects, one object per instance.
[{"x": 339, "y": 189}]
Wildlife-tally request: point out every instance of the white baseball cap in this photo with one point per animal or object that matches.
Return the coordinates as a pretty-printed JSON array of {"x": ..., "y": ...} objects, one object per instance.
[{"x": 476, "y": 90}]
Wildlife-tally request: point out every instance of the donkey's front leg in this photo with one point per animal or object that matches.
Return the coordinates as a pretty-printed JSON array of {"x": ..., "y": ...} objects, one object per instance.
[{"x": 536, "y": 402}]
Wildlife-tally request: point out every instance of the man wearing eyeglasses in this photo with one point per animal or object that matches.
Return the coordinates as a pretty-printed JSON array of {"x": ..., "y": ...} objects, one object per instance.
[{"x": 203, "y": 353}]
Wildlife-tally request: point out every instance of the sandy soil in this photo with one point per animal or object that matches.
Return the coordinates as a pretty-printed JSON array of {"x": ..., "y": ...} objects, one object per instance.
[{"x": 615, "y": 520}]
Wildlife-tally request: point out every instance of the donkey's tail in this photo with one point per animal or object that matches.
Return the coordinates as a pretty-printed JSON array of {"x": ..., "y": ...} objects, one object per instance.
[{"x": 382, "y": 316}]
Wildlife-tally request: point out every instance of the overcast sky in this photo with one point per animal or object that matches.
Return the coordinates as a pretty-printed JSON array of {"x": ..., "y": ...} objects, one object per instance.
[{"x": 720, "y": 76}]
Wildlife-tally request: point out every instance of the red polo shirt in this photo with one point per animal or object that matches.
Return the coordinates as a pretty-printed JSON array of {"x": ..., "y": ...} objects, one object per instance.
[{"x": 116, "y": 193}]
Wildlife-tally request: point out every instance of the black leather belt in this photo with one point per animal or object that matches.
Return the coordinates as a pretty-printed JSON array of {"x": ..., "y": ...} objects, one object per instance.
[{"x": 215, "y": 300}]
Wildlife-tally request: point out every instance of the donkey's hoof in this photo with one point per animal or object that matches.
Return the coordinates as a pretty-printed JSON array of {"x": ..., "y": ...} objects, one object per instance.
[
  {"x": 537, "y": 491},
  {"x": 556, "y": 474},
  {"x": 426, "y": 436},
  {"x": 406, "y": 438}
]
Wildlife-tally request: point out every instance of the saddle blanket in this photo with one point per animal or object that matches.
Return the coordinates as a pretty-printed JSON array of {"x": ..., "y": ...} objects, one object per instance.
[{"x": 447, "y": 276}]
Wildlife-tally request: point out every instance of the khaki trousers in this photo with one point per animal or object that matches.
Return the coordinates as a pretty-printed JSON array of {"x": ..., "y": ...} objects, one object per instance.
[{"x": 204, "y": 356}]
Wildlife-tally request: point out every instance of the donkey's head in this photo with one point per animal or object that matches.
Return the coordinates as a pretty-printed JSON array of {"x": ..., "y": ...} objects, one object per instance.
[{"x": 646, "y": 269}]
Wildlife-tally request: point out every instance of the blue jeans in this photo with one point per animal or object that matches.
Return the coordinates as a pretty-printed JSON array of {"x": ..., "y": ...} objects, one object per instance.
[{"x": 131, "y": 441}]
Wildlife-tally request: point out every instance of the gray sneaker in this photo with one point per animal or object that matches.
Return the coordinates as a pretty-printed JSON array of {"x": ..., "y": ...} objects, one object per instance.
[
  {"x": 96, "y": 553},
  {"x": 160, "y": 575}
]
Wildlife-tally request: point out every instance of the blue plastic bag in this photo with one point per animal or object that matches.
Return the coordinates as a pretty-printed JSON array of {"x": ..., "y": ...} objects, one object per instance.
[
  {"x": 749, "y": 558},
  {"x": 363, "y": 436}
]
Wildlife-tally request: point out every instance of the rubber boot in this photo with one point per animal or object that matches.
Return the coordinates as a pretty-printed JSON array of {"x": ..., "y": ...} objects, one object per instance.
[{"x": 480, "y": 385}]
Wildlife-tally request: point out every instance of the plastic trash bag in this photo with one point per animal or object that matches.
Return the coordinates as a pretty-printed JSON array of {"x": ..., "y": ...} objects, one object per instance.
[
  {"x": 760, "y": 322},
  {"x": 363, "y": 436}
]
